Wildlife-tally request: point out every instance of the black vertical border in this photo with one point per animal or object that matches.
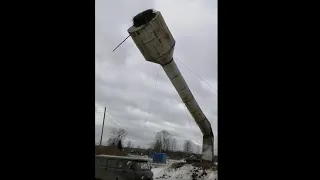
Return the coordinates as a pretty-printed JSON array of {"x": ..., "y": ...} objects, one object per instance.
[
  {"x": 266, "y": 80},
  {"x": 243, "y": 114}
]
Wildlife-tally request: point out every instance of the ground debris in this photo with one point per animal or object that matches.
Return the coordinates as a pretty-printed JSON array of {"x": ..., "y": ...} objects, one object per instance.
[
  {"x": 177, "y": 165},
  {"x": 185, "y": 171}
]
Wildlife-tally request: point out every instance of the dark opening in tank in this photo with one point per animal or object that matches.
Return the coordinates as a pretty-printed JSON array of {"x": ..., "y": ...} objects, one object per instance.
[{"x": 144, "y": 17}]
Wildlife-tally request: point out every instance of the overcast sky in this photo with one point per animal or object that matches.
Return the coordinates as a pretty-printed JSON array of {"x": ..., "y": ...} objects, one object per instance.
[{"x": 125, "y": 81}]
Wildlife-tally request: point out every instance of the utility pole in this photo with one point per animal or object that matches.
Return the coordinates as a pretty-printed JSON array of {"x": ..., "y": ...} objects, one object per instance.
[{"x": 104, "y": 117}]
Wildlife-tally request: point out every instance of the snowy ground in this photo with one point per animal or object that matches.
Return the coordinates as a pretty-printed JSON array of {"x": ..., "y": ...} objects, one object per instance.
[{"x": 186, "y": 172}]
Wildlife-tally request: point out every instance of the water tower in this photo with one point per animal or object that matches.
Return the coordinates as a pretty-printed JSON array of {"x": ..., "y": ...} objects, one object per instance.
[{"x": 156, "y": 43}]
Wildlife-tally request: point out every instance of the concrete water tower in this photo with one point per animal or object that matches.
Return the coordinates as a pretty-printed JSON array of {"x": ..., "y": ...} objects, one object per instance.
[{"x": 156, "y": 43}]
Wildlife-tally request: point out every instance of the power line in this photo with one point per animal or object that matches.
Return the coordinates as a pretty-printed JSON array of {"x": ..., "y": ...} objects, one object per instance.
[
  {"x": 197, "y": 75},
  {"x": 114, "y": 121},
  {"x": 110, "y": 117},
  {"x": 152, "y": 97}
]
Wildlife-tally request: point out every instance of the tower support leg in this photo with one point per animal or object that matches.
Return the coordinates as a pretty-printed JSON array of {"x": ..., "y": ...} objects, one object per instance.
[{"x": 207, "y": 148}]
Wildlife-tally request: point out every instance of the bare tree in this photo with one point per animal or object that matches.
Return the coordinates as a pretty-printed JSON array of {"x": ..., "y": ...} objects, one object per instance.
[
  {"x": 187, "y": 146},
  {"x": 116, "y": 136},
  {"x": 173, "y": 145},
  {"x": 162, "y": 141},
  {"x": 157, "y": 144},
  {"x": 129, "y": 144},
  {"x": 166, "y": 139},
  {"x": 119, "y": 145}
]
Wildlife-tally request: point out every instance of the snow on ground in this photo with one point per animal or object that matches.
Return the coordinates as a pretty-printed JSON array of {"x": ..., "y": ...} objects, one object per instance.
[
  {"x": 158, "y": 171},
  {"x": 169, "y": 163},
  {"x": 186, "y": 172}
]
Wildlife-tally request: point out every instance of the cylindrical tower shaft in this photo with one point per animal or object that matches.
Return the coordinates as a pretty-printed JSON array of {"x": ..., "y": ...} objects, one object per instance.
[{"x": 188, "y": 99}]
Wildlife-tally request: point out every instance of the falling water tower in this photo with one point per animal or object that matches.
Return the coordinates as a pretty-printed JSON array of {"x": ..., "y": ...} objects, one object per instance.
[{"x": 156, "y": 43}]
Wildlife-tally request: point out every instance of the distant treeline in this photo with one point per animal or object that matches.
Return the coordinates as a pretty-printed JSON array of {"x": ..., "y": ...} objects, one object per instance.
[
  {"x": 111, "y": 150},
  {"x": 163, "y": 142}
]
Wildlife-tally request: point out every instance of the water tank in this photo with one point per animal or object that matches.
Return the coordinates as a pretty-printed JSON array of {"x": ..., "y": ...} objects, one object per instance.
[
  {"x": 152, "y": 36},
  {"x": 159, "y": 158}
]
